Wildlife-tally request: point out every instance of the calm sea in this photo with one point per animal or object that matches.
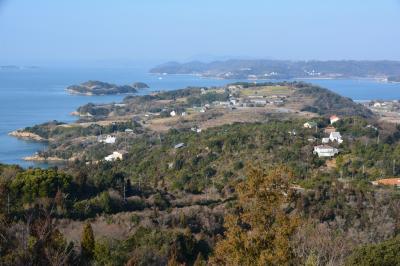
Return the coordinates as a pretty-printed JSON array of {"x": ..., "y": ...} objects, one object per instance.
[{"x": 32, "y": 96}]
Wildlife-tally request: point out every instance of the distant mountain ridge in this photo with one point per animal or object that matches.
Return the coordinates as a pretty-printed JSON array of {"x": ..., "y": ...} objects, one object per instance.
[
  {"x": 394, "y": 78},
  {"x": 283, "y": 69}
]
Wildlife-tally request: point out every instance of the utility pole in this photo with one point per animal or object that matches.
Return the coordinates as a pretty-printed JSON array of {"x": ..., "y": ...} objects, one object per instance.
[
  {"x": 124, "y": 190},
  {"x": 394, "y": 166},
  {"x": 8, "y": 203}
]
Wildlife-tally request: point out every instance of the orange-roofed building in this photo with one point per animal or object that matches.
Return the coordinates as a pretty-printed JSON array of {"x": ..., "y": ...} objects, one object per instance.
[
  {"x": 387, "y": 182},
  {"x": 334, "y": 119}
]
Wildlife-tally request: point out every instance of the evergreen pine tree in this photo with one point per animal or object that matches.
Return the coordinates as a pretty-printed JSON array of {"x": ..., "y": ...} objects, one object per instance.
[{"x": 87, "y": 242}]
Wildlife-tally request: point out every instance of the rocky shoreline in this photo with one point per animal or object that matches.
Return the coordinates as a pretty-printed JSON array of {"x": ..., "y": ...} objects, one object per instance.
[
  {"x": 26, "y": 135},
  {"x": 38, "y": 158}
]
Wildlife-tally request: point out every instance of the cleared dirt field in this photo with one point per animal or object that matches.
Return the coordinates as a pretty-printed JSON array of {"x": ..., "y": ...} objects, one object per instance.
[{"x": 267, "y": 91}]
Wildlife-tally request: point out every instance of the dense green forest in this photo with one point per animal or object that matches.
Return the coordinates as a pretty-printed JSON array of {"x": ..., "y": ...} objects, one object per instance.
[{"x": 190, "y": 205}]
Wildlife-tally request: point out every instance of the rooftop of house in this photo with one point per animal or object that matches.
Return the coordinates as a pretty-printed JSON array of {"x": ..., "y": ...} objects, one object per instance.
[
  {"x": 335, "y": 135},
  {"x": 179, "y": 145},
  {"x": 323, "y": 147},
  {"x": 387, "y": 182}
]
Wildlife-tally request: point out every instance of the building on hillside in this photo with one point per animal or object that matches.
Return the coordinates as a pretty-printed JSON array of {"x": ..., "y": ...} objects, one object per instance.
[
  {"x": 325, "y": 140},
  {"x": 108, "y": 139},
  {"x": 172, "y": 113},
  {"x": 325, "y": 151},
  {"x": 224, "y": 103},
  {"x": 329, "y": 130},
  {"x": 234, "y": 101},
  {"x": 196, "y": 129},
  {"x": 335, "y": 136},
  {"x": 387, "y": 182},
  {"x": 334, "y": 119},
  {"x": 372, "y": 127},
  {"x": 310, "y": 124},
  {"x": 116, "y": 155},
  {"x": 179, "y": 145},
  {"x": 259, "y": 101},
  {"x": 129, "y": 130}
]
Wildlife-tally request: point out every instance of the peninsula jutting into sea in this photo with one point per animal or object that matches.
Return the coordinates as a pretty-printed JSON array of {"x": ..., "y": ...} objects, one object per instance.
[{"x": 285, "y": 69}]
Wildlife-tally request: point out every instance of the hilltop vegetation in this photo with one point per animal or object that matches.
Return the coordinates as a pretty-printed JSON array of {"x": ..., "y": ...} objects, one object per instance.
[
  {"x": 244, "y": 189},
  {"x": 193, "y": 108},
  {"x": 180, "y": 196},
  {"x": 295, "y": 95}
]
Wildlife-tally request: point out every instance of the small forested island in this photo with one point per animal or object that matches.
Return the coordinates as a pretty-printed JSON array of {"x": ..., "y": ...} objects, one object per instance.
[
  {"x": 281, "y": 173},
  {"x": 103, "y": 88}
]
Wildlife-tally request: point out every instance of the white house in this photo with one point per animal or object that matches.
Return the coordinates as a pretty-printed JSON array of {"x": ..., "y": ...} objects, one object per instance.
[
  {"x": 172, "y": 113},
  {"x": 259, "y": 101},
  {"x": 310, "y": 124},
  {"x": 233, "y": 101},
  {"x": 116, "y": 155},
  {"x": 109, "y": 139},
  {"x": 334, "y": 119},
  {"x": 325, "y": 151},
  {"x": 183, "y": 114},
  {"x": 335, "y": 136},
  {"x": 196, "y": 129},
  {"x": 179, "y": 145},
  {"x": 128, "y": 130},
  {"x": 325, "y": 140}
]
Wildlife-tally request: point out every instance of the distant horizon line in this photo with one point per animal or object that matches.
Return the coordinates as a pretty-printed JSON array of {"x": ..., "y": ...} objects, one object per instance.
[{"x": 153, "y": 62}]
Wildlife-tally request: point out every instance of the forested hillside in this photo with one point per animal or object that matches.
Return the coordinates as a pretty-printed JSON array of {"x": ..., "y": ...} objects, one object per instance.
[{"x": 166, "y": 205}]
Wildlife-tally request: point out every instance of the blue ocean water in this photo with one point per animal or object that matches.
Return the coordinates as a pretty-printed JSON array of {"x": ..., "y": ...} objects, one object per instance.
[
  {"x": 361, "y": 89},
  {"x": 36, "y": 95}
]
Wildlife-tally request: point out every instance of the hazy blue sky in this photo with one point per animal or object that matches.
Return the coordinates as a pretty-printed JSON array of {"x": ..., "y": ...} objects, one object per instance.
[{"x": 93, "y": 31}]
